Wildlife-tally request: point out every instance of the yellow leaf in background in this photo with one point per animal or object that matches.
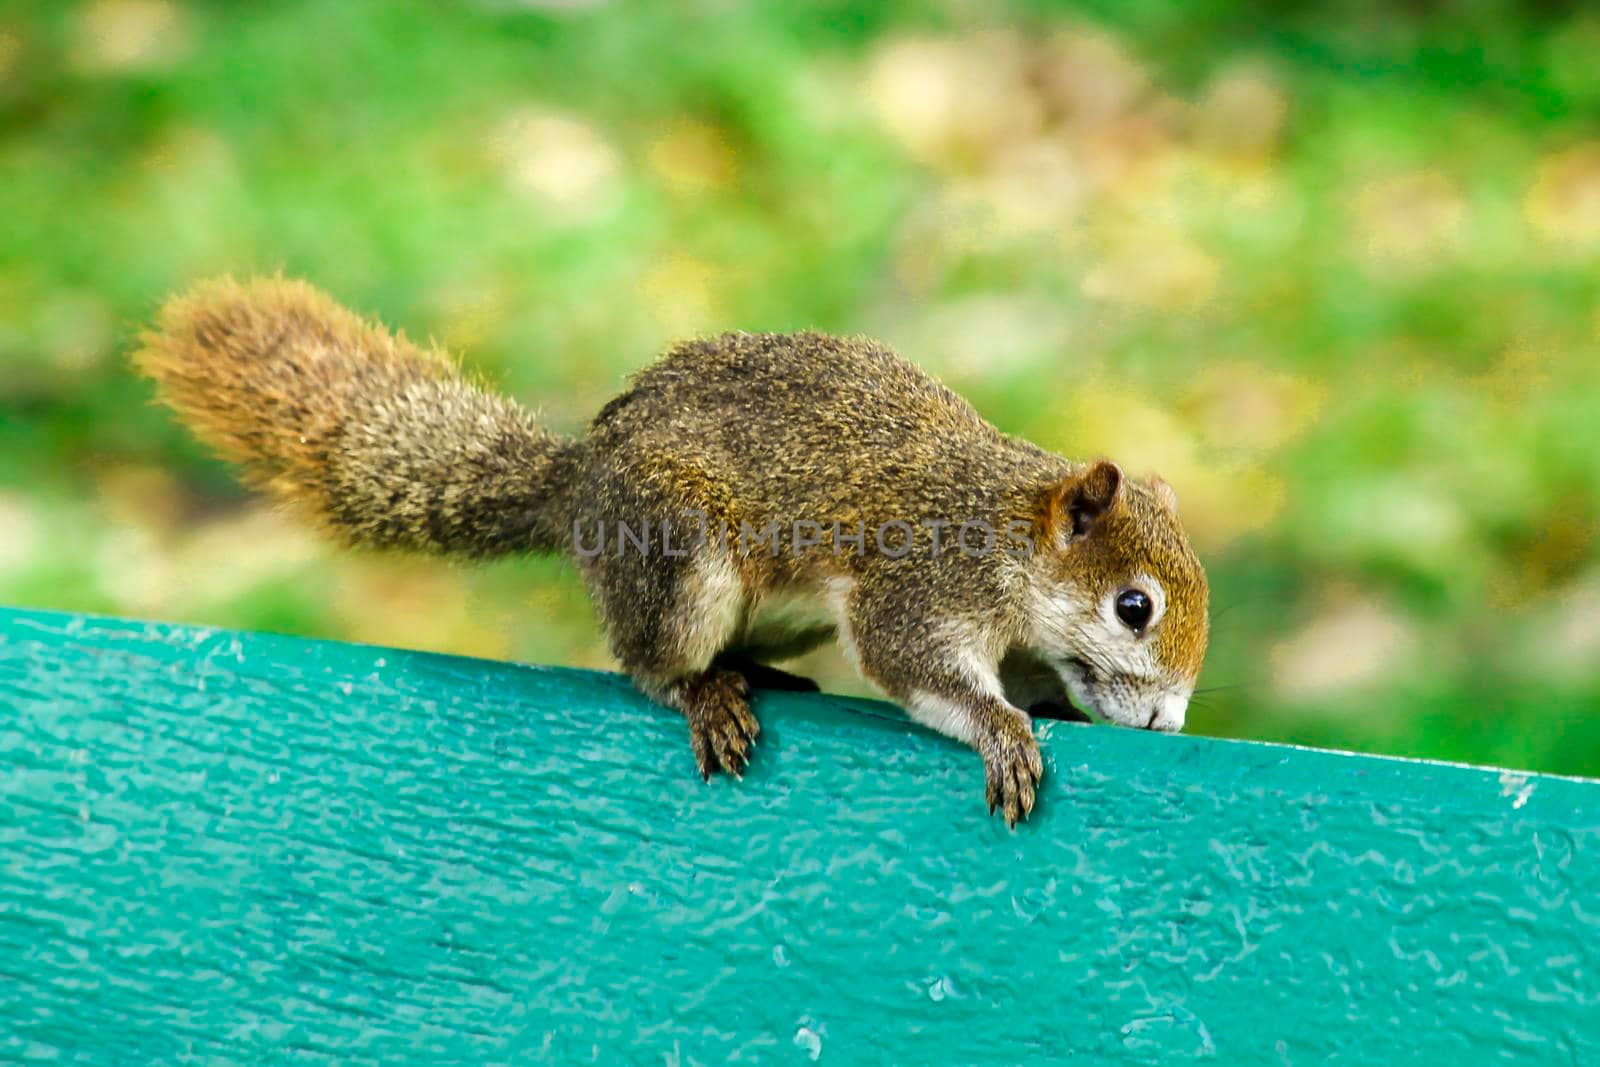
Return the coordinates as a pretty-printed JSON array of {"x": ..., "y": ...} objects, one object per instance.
[
  {"x": 142, "y": 495},
  {"x": 133, "y": 569},
  {"x": 158, "y": 554},
  {"x": 21, "y": 532},
  {"x": 414, "y": 603},
  {"x": 1545, "y": 558},
  {"x": 77, "y": 329},
  {"x": 951, "y": 102},
  {"x": 1221, "y": 499},
  {"x": 1154, "y": 269},
  {"x": 1410, "y": 220},
  {"x": 1564, "y": 201},
  {"x": 471, "y": 312},
  {"x": 187, "y": 155},
  {"x": 681, "y": 294},
  {"x": 1558, "y": 635},
  {"x": 1034, "y": 186},
  {"x": 281, "y": 546},
  {"x": 1239, "y": 405},
  {"x": 10, "y": 49},
  {"x": 129, "y": 36},
  {"x": 1242, "y": 111},
  {"x": 1518, "y": 372},
  {"x": 559, "y": 160},
  {"x": 976, "y": 337},
  {"x": 1131, "y": 160},
  {"x": 1352, "y": 642},
  {"x": 1088, "y": 78},
  {"x": 693, "y": 157}
]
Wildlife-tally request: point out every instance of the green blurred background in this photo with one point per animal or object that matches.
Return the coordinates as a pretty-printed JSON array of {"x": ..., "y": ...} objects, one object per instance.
[{"x": 1330, "y": 269}]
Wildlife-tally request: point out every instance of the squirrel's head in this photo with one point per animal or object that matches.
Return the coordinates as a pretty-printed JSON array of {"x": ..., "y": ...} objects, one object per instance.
[{"x": 1118, "y": 597}]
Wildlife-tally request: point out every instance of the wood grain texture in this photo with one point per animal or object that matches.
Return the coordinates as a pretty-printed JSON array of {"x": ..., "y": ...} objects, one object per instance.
[{"x": 225, "y": 847}]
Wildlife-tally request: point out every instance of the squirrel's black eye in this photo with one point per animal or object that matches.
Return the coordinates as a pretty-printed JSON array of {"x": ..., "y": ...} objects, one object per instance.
[{"x": 1133, "y": 608}]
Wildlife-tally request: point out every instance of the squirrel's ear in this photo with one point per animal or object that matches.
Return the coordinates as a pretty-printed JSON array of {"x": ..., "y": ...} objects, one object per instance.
[
  {"x": 1072, "y": 505},
  {"x": 1165, "y": 493}
]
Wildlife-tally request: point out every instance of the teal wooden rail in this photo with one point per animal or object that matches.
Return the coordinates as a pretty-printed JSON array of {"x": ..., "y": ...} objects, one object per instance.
[{"x": 229, "y": 847}]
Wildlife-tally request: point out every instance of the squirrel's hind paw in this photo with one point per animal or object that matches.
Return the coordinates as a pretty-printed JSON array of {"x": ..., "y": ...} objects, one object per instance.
[{"x": 722, "y": 729}]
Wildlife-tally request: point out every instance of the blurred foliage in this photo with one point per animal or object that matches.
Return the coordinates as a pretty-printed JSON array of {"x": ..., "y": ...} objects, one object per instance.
[{"x": 1330, "y": 269}]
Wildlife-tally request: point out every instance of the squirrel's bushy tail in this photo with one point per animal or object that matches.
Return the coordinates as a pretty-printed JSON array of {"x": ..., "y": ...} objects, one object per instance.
[{"x": 381, "y": 442}]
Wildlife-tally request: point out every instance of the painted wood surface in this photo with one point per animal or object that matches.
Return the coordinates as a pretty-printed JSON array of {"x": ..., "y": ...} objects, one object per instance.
[{"x": 225, "y": 847}]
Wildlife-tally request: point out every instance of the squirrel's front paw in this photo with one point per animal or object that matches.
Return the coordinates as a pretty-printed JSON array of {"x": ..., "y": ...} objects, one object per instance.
[
  {"x": 1012, "y": 766},
  {"x": 722, "y": 729}
]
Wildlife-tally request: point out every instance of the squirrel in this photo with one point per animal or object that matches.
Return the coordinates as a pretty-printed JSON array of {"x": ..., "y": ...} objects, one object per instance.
[{"x": 746, "y": 498}]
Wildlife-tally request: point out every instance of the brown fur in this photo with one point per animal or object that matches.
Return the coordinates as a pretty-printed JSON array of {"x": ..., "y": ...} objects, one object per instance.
[{"x": 386, "y": 444}]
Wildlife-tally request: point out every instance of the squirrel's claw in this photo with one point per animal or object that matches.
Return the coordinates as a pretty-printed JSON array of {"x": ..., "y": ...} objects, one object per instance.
[{"x": 704, "y": 758}]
